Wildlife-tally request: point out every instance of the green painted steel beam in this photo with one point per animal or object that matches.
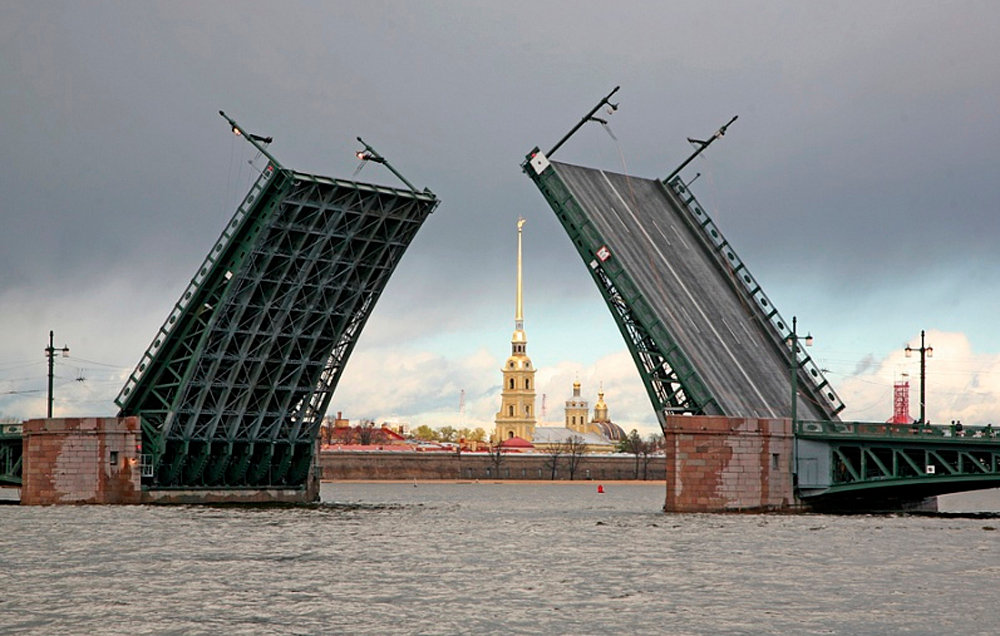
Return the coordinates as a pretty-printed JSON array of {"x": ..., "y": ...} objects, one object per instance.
[
  {"x": 11, "y": 454},
  {"x": 870, "y": 457},
  {"x": 234, "y": 386},
  {"x": 671, "y": 381},
  {"x": 812, "y": 381}
]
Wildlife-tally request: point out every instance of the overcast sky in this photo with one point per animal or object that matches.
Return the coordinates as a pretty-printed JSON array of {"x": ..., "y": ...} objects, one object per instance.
[{"x": 860, "y": 183}]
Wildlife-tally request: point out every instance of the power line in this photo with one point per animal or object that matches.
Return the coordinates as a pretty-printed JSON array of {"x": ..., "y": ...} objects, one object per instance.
[{"x": 102, "y": 364}]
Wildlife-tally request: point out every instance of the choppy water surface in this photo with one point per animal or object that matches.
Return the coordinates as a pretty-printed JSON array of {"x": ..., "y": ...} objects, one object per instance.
[{"x": 489, "y": 558}]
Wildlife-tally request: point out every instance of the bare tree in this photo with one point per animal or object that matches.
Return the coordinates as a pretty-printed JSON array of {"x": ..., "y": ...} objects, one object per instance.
[
  {"x": 366, "y": 431},
  {"x": 575, "y": 448},
  {"x": 650, "y": 447},
  {"x": 554, "y": 452},
  {"x": 633, "y": 444},
  {"x": 497, "y": 454}
]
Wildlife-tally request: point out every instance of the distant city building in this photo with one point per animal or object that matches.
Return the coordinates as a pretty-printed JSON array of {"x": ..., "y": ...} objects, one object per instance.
[{"x": 516, "y": 426}]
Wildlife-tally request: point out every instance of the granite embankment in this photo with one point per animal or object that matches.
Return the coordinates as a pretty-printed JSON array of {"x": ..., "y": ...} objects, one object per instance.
[{"x": 378, "y": 465}]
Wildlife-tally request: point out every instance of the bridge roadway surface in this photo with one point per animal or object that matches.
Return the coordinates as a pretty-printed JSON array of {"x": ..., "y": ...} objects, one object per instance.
[{"x": 644, "y": 227}]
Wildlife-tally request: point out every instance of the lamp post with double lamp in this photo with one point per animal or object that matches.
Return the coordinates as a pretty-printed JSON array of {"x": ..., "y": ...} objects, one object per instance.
[
  {"x": 50, "y": 353},
  {"x": 793, "y": 364},
  {"x": 925, "y": 352}
]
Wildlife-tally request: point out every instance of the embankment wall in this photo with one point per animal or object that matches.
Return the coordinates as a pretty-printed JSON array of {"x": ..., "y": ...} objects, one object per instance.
[{"x": 515, "y": 466}]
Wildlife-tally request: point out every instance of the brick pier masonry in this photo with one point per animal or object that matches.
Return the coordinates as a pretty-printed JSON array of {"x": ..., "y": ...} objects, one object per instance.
[
  {"x": 96, "y": 460},
  {"x": 723, "y": 464},
  {"x": 711, "y": 464},
  {"x": 85, "y": 460}
]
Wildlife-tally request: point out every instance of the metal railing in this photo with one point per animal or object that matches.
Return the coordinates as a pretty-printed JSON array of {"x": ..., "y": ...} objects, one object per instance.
[
  {"x": 883, "y": 430},
  {"x": 168, "y": 325},
  {"x": 731, "y": 262}
]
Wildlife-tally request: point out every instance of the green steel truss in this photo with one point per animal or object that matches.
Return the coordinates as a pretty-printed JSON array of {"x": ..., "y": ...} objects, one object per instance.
[
  {"x": 671, "y": 381},
  {"x": 232, "y": 390},
  {"x": 874, "y": 459},
  {"x": 811, "y": 379},
  {"x": 11, "y": 454}
]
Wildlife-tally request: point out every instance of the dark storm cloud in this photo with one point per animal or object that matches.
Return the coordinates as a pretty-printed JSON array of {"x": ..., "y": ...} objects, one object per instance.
[{"x": 863, "y": 160}]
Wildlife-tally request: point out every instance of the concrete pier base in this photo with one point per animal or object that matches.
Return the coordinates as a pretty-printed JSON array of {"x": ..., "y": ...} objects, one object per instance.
[{"x": 309, "y": 494}]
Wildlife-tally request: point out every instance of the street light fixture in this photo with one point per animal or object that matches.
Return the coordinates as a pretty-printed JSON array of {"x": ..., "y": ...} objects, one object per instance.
[
  {"x": 370, "y": 154},
  {"x": 50, "y": 353},
  {"x": 793, "y": 364},
  {"x": 925, "y": 352}
]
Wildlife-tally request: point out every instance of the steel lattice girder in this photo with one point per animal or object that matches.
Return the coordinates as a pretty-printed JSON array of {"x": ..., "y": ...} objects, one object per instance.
[
  {"x": 867, "y": 458},
  {"x": 868, "y": 462},
  {"x": 11, "y": 454},
  {"x": 233, "y": 388}
]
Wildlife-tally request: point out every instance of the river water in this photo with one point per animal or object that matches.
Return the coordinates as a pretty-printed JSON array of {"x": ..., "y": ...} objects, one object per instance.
[{"x": 389, "y": 558}]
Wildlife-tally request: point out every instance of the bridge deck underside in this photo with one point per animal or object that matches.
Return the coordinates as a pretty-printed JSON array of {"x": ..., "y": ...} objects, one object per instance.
[
  {"x": 646, "y": 231},
  {"x": 235, "y": 394}
]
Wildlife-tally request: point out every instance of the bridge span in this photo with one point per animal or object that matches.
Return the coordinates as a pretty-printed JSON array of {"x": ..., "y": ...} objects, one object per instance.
[
  {"x": 724, "y": 372},
  {"x": 864, "y": 464},
  {"x": 232, "y": 390}
]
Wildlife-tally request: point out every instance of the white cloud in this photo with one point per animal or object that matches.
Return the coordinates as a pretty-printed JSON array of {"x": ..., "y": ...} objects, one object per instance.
[
  {"x": 419, "y": 387},
  {"x": 402, "y": 384},
  {"x": 960, "y": 383}
]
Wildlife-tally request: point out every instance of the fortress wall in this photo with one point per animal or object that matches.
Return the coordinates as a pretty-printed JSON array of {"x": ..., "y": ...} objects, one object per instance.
[{"x": 470, "y": 466}]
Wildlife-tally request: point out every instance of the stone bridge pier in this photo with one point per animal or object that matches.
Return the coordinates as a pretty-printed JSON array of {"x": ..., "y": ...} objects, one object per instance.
[{"x": 728, "y": 464}]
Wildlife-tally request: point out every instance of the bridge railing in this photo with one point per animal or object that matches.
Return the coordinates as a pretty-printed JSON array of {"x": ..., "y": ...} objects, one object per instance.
[
  {"x": 11, "y": 429},
  {"x": 189, "y": 292},
  {"x": 882, "y": 430},
  {"x": 737, "y": 269}
]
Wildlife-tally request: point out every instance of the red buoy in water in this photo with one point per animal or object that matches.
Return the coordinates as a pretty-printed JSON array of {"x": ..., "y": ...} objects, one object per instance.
[{"x": 600, "y": 489}]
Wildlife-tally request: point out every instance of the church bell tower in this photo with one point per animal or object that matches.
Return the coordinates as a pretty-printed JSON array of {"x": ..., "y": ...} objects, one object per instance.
[{"x": 516, "y": 417}]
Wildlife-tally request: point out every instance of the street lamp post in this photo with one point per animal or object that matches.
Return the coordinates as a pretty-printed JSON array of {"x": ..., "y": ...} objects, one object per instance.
[
  {"x": 50, "y": 353},
  {"x": 925, "y": 352},
  {"x": 793, "y": 364}
]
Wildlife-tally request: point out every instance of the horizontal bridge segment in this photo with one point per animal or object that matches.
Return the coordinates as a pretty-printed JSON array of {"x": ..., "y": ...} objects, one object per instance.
[{"x": 837, "y": 459}]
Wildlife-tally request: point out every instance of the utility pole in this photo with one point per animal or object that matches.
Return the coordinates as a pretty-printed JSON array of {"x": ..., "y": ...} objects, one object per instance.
[
  {"x": 50, "y": 353},
  {"x": 925, "y": 352},
  {"x": 793, "y": 342}
]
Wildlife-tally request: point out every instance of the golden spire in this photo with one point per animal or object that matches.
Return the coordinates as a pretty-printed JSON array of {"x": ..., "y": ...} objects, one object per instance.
[{"x": 519, "y": 315}]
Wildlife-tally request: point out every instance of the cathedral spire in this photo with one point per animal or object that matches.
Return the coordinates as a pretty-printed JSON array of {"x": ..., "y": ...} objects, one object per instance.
[
  {"x": 519, "y": 314},
  {"x": 516, "y": 417},
  {"x": 519, "y": 340}
]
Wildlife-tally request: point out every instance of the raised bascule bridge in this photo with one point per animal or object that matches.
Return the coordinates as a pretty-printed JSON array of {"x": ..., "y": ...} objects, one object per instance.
[
  {"x": 720, "y": 364},
  {"x": 233, "y": 388},
  {"x": 229, "y": 396}
]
